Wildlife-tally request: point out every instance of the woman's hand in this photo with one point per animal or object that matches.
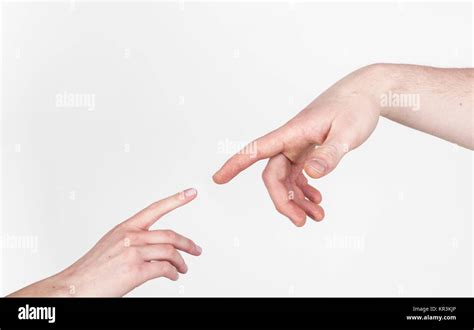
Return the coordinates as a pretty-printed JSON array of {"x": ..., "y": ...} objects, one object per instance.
[{"x": 126, "y": 257}]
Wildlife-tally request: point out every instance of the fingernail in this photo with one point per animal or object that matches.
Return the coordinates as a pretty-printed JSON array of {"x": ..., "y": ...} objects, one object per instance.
[
  {"x": 190, "y": 192},
  {"x": 198, "y": 248},
  {"x": 317, "y": 166}
]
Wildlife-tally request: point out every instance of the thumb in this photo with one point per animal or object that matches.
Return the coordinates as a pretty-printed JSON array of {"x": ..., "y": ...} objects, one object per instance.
[{"x": 324, "y": 158}]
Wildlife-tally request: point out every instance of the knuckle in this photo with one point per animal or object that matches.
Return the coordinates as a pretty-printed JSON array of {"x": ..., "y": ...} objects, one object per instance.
[
  {"x": 168, "y": 249},
  {"x": 188, "y": 244},
  {"x": 333, "y": 150},
  {"x": 131, "y": 237},
  {"x": 240, "y": 161},
  {"x": 304, "y": 180},
  {"x": 179, "y": 197},
  {"x": 143, "y": 272},
  {"x": 329, "y": 153},
  {"x": 120, "y": 228},
  {"x": 176, "y": 256},
  {"x": 279, "y": 208},
  {"x": 155, "y": 206},
  {"x": 130, "y": 269},
  {"x": 130, "y": 253},
  {"x": 167, "y": 268},
  {"x": 266, "y": 175},
  {"x": 169, "y": 234}
]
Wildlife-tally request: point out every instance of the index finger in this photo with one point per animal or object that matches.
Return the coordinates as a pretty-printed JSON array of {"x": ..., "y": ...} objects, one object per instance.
[
  {"x": 264, "y": 147},
  {"x": 148, "y": 216}
]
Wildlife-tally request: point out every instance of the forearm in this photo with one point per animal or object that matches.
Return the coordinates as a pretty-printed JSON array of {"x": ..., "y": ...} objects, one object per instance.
[
  {"x": 54, "y": 286},
  {"x": 433, "y": 100}
]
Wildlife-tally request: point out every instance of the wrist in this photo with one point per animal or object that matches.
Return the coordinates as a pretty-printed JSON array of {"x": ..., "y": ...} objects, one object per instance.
[{"x": 379, "y": 81}]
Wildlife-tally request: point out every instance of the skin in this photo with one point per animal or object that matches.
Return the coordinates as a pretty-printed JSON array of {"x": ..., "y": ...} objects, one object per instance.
[
  {"x": 343, "y": 117},
  {"x": 314, "y": 141},
  {"x": 126, "y": 257}
]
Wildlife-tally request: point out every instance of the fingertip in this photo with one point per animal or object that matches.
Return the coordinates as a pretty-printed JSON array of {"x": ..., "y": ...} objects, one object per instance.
[
  {"x": 172, "y": 276},
  {"x": 195, "y": 250},
  {"x": 319, "y": 198},
  {"x": 299, "y": 222},
  {"x": 320, "y": 215},
  {"x": 216, "y": 178},
  {"x": 220, "y": 178},
  {"x": 198, "y": 250},
  {"x": 189, "y": 193},
  {"x": 296, "y": 214}
]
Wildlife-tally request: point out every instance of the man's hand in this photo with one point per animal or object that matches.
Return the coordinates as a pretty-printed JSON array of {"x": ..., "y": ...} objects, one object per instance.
[
  {"x": 315, "y": 140},
  {"x": 343, "y": 117},
  {"x": 126, "y": 257}
]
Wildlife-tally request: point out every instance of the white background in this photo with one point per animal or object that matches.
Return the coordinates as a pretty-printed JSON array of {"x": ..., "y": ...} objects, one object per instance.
[{"x": 173, "y": 80}]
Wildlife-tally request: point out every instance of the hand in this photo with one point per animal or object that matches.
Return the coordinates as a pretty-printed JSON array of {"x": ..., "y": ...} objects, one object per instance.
[
  {"x": 126, "y": 257},
  {"x": 315, "y": 140}
]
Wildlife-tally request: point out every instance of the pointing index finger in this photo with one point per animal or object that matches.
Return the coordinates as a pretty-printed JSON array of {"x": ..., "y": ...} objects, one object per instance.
[
  {"x": 148, "y": 216},
  {"x": 261, "y": 148}
]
